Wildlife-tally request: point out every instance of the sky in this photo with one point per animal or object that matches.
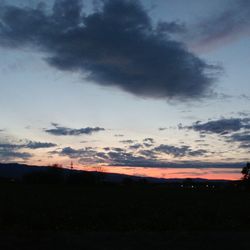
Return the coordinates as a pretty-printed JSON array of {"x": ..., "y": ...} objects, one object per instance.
[{"x": 150, "y": 88}]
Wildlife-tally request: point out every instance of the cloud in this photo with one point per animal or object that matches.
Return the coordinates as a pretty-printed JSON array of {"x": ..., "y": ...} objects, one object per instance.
[
  {"x": 149, "y": 140},
  {"x": 179, "y": 151},
  {"x": 9, "y": 152},
  {"x": 136, "y": 146},
  {"x": 118, "y": 149},
  {"x": 128, "y": 141},
  {"x": 162, "y": 129},
  {"x": 117, "y": 45},
  {"x": 14, "y": 151},
  {"x": 77, "y": 153},
  {"x": 221, "y": 126},
  {"x": 222, "y": 27},
  {"x": 125, "y": 157},
  {"x": 39, "y": 145},
  {"x": 64, "y": 131},
  {"x": 87, "y": 156},
  {"x": 10, "y": 155},
  {"x": 27, "y": 145},
  {"x": 144, "y": 158},
  {"x": 129, "y": 159},
  {"x": 242, "y": 137},
  {"x": 171, "y": 27},
  {"x": 118, "y": 135},
  {"x": 231, "y": 129}
]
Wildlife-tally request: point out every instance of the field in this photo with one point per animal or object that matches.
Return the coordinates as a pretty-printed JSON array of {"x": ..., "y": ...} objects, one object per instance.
[{"x": 122, "y": 214}]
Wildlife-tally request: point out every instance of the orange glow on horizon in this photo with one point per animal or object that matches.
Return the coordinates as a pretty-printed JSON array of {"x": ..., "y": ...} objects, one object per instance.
[
  {"x": 172, "y": 173},
  {"x": 166, "y": 173}
]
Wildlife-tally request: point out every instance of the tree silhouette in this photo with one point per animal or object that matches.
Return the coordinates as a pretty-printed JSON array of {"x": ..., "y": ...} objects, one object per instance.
[{"x": 246, "y": 172}]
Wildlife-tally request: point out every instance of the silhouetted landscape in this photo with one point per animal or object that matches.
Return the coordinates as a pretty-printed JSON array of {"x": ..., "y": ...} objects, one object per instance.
[{"x": 83, "y": 205}]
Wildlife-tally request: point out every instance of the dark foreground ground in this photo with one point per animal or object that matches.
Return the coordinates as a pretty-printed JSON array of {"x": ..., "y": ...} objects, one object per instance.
[
  {"x": 122, "y": 217},
  {"x": 125, "y": 241}
]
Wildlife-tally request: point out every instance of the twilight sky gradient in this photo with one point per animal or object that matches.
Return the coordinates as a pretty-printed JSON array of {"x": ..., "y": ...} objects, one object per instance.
[{"x": 155, "y": 88}]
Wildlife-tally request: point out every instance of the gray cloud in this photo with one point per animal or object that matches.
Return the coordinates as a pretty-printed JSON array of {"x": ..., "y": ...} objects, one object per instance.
[
  {"x": 144, "y": 158},
  {"x": 162, "y": 129},
  {"x": 230, "y": 129},
  {"x": 243, "y": 138},
  {"x": 171, "y": 27},
  {"x": 149, "y": 140},
  {"x": 118, "y": 135},
  {"x": 136, "y": 146},
  {"x": 116, "y": 45},
  {"x": 78, "y": 153},
  {"x": 14, "y": 151},
  {"x": 221, "y": 126},
  {"x": 9, "y": 152},
  {"x": 10, "y": 155},
  {"x": 179, "y": 151},
  {"x": 64, "y": 131},
  {"x": 125, "y": 157},
  {"x": 128, "y": 141},
  {"x": 222, "y": 27},
  {"x": 28, "y": 145},
  {"x": 39, "y": 145}
]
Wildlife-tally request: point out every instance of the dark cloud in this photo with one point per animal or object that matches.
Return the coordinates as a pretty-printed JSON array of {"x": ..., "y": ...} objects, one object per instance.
[
  {"x": 171, "y": 27},
  {"x": 148, "y": 153},
  {"x": 64, "y": 131},
  {"x": 78, "y": 153},
  {"x": 119, "y": 135},
  {"x": 179, "y": 151},
  {"x": 14, "y": 151},
  {"x": 10, "y": 155},
  {"x": 143, "y": 158},
  {"x": 29, "y": 145},
  {"x": 39, "y": 145},
  {"x": 226, "y": 25},
  {"x": 128, "y": 141},
  {"x": 127, "y": 159},
  {"x": 243, "y": 138},
  {"x": 10, "y": 152},
  {"x": 244, "y": 113},
  {"x": 107, "y": 148},
  {"x": 162, "y": 129},
  {"x": 221, "y": 126},
  {"x": 117, "y": 149},
  {"x": 149, "y": 140},
  {"x": 116, "y": 45},
  {"x": 231, "y": 130},
  {"x": 86, "y": 155},
  {"x": 136, "y": 146},
  {"x": 245, "y": 145}
]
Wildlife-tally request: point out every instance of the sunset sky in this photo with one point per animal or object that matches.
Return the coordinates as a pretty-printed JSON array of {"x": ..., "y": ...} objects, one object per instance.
[{"x": 152, "y": 87}]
